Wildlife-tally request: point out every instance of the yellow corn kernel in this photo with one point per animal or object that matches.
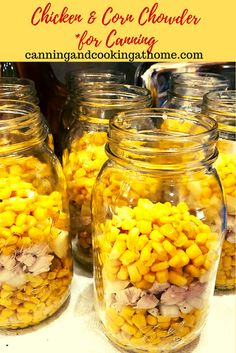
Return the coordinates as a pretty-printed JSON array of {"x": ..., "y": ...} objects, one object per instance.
[
  {"x": 175, "y": 261},
  {"x": 26, "y": 241},
  {"x": 169, "y": 231},
  {"x": 142, "y": 241},
  {"x": 6, "y": 313},
  {"x": 128, "y": 224},
  {"x": 138, "y": 334},
  {"x": 177, "y": 279},
  {"x": 201, "y": 238},
  {"x": 118, "y": 320},
  {"x": 5, "y": 193},
  {"x": 150, "y": 277},
  {"x": 11, "y": 240},
  {"x": 40, "y": 213},
  {"x": 198, "y": 261},
  {"x": 8, "y": 250},
  {"x": 125, "y": 212},
  {"x": 132, "y": 239},
  {"x": 128, "y": 257},
  {"x": 207, "y": 264},
  {"x": 143, "y": 269},
  {"x": 156, "y": 235},
  {"x": 118, "y": 248},
  {"x": 161, "y": 333},
  {"x": 123, "y": 274},
  {"x": 162, "y": 276},
  {"x": 164, "y": 325},
  {"x": 227, "y": 261},
  {"x": 35, "y": 233},
  {"x": 145, "y": 253},
  {"x": 139, "y": 320},
  {"x": 143, "y": 284},
  {"x": 134, "y": 273},
  {"x": 126, "y": 312},
  {"x": 189, "y": 320},
  {"x": 192, "y": 270},
  {"x": 5, "y": 232},
  {"x": 131, "y": 330},
  {"x": 145, "y": 227},
  {"x": 181, "y": 240},
  {"x": 31, "y": 221},
  {"x": 169, "y": 248},
  {"x": 193, "y": 251},
  {"x": 161, "y": 253},
  {"x": 160, "y": 266},
  {"x": 183, "y": 331},
  {"x": 152, "y": 320},
  {"x": 21, "y": 219},
  {"x": 7, "y": 218},
  {"x": 17, "y": 230}
]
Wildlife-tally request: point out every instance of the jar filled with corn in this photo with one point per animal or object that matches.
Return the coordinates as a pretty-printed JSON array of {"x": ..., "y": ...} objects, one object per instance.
[
  {"x": 35, "y": 252},
  {"x": 156, "y": 250},
  {"x": 188, "y": 88},
  {"x": 85, "y": 154},
  {"x": 221, "y": 106},
  {"x": 23, "y": 89}
]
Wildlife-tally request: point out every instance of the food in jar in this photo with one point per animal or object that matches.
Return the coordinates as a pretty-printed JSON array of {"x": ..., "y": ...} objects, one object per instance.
[
  {"x": 154, "y": 263},
  {"x": 35, "y": 261}
]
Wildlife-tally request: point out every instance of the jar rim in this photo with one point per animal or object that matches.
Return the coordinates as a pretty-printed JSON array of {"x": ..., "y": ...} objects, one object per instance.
[
  {"x": 22, "y": 126},
  {"x": 113, "y": 95},
  {"x": 193, "y": 85},
  {"x": 221, "y": 106},
  {"x": 150, "y": 139},
  {"x": 17, "y": 81},
  {"x": 210, "y": 123},
  {"x": 85, "y": 75},
  {"x": 221, "y": 101},
  {"x": 25, "y": 110}
]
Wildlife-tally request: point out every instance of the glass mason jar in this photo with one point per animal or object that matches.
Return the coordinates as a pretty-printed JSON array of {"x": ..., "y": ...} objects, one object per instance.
[
  {"x": 221, "y": 106},
  {"x": 75, "y": 81},
  {"x": 156, "y": 241},
  {"x": 18, "y": 89},
  {"x": 23, "y": 89},
  {"x": 188, "y": 88},
  {"x": 85, "y": 154},
  {"x": 35, "y": 251}
]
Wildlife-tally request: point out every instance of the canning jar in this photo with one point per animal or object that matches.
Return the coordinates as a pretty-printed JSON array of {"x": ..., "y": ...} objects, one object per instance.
[
  {"x": 188, "y": 88},
  {"x": 35, "y": 252},
  {"x": 23, "y": 89},
  {"x": 156, "y": 250},
  {"x": 18, "y": 89},
  {"x": 221, "y": 105},
  {"x": 85, "y": 154}
]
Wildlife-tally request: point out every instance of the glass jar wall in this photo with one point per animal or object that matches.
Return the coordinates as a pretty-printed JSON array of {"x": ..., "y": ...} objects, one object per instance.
[
  {"x": 85, "y": 154},
  {"x": 221, "y": 105},
  {"x": 79, "y": 80},
  {"x": 156, "y": 241},
  {"x": 188, "y": 88},
  {"x": 23, "y": 89},
  {"x": 18, "y": 89},
  {"x": 35, "y": 252}
]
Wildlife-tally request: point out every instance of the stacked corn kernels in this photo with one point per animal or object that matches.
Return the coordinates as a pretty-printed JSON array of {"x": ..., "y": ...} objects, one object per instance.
[
  {"x": 35, "y": 261},
  {"x": 81, "y": 166},
  {"x": 154, "y": 264},
  {"x": 226, "y": 167}
]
